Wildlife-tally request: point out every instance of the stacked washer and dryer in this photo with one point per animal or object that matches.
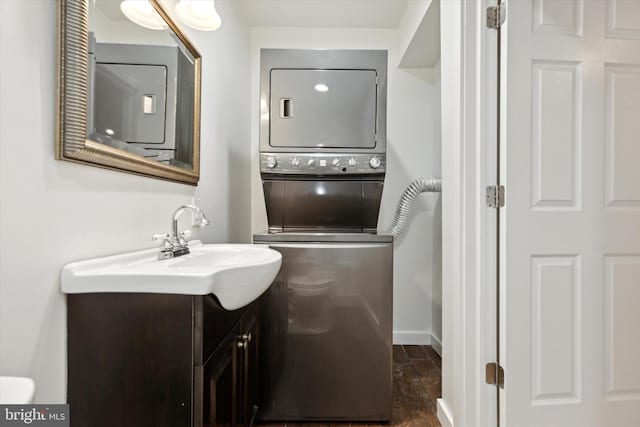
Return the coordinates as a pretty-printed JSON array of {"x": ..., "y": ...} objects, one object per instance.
[{"x": 326, "y": 345}]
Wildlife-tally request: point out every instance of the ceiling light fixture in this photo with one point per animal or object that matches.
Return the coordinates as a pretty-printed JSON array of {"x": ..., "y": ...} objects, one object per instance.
[
  {"x": 198, "y": 14},
  {"x": 143, "y": 13},
  {"x": 321, "y": 87}
]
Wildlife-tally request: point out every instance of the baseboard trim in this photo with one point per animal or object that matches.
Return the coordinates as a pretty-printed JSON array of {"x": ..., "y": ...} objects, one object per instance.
[
  {"x": 412, "y": 338},
  {"x": 444, "y": 413},
  {"x": 436, "y": 344}
]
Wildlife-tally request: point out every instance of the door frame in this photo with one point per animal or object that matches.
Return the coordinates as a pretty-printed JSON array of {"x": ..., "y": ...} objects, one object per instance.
[{"x": 469, "y": 226}]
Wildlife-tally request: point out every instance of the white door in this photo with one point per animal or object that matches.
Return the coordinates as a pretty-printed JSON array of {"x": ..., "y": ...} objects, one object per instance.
[{"x": 571, "y": 283}]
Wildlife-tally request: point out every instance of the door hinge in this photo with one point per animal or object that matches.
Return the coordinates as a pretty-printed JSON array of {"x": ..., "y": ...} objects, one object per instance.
[
  {"x": 494, "y": 374},
  {"x": 496, "y": 16},
  {"x": 495, "y": 196}
]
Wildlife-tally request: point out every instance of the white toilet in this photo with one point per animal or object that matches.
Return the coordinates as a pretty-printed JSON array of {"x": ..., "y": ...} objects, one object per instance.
[{"x": 16, "y": 390}]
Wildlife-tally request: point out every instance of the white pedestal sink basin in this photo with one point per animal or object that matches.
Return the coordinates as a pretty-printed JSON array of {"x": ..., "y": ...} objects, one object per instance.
[
  {"x": 236, "y": 274},
  {"x": 16, "y": 390}
]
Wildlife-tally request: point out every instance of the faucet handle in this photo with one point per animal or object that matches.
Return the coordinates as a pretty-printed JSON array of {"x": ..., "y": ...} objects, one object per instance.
[
  {"x": 165, "y": 238},
  {"x": 182, "y": 237}
]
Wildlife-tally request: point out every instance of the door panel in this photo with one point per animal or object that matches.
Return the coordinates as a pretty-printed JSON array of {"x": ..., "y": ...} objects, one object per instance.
[
  {"x": 572, "y": 219},
  {"x": 220, "y": 376},
  {"x": 555, "y": 312},
  {"x": 250, "y": 364},
  {"x": 622, "y": 293}
]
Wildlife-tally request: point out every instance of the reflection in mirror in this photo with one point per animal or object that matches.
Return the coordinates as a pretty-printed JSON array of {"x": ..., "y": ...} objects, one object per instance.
[{"x": 141, "y": 82}]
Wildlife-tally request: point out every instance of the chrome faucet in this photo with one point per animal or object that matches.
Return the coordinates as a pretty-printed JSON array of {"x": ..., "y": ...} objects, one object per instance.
[{"x": 176, "y": 244}]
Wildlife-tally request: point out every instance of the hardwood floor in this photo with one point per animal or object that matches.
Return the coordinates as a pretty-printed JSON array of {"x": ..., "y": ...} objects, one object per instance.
[{"x": 416, "y": 386}]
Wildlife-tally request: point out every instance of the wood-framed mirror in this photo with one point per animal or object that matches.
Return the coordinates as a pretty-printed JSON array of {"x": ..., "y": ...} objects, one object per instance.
[{"x": 128, "y": 94}]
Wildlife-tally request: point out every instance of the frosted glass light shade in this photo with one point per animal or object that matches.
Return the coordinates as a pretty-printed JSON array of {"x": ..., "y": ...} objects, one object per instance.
[
  {"x": 198, "y": 14},
  {"x": 143, "y": 13}
]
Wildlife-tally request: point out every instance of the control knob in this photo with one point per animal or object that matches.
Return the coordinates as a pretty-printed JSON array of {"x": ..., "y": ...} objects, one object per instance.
[
  {"x": 271, "y": 162},
  {"x": 375, "y": 162}
]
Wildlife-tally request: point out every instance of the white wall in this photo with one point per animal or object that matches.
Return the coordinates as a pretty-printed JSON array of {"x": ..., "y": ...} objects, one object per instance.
[
  {"x": 54, "y": 212},
  {"x": 419, "y": 40},
  {"x": 413, "y": 130}
]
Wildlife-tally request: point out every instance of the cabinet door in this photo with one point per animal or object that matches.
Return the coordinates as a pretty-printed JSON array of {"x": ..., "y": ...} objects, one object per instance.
[
  {"x": 130, "y": 359},
  {"x": 220, "y": 386},
  {"x": 249, "y": 358}
]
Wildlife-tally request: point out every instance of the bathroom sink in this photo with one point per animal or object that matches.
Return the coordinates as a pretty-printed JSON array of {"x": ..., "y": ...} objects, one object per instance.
[{"x": 236, "y": 274}]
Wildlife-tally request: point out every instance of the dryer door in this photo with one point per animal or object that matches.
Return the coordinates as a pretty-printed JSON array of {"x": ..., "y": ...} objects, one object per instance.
[{"x": 323, "y": 108}]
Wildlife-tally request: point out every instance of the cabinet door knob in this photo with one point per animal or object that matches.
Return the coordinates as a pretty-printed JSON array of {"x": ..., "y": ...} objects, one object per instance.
[
  {"x": 242, "y": 343},
  {"x": 247, "y": 337}
]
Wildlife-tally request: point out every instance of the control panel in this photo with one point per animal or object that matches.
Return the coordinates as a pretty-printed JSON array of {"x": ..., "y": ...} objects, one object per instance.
[{"x": 322, "y": 163}]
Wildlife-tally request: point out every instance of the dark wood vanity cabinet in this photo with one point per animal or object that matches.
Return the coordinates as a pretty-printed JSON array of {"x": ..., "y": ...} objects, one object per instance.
[{"x": 161, "y": 360}]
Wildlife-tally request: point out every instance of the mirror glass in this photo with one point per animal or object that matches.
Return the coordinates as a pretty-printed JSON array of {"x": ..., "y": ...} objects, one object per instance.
[
  {"x": 141, "y": 83},
  {"x": 128, "y": 89}
]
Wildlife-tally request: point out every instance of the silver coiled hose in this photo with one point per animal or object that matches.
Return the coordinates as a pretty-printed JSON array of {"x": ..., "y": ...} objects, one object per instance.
[{"x": 417, "y": 187}]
